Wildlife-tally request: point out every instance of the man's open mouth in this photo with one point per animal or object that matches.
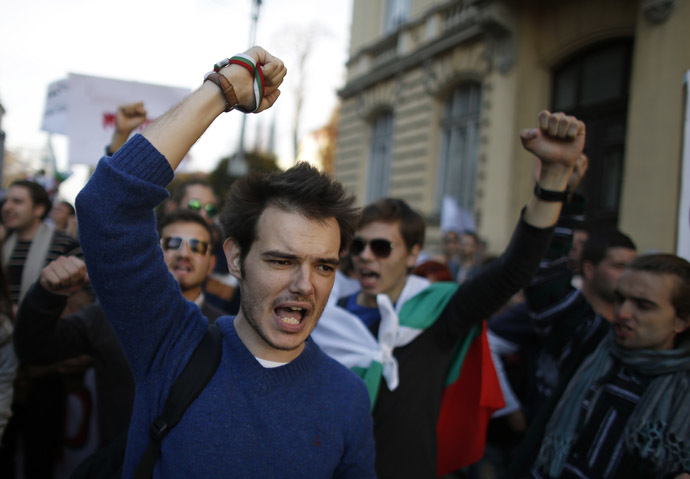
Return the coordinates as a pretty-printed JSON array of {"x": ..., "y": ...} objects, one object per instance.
[
  {"x": 291, "y": 314},
  {"x": 622, "y": 329},
  {"x": 369, "y": 278},
  {"x": 182, "y": 267}
]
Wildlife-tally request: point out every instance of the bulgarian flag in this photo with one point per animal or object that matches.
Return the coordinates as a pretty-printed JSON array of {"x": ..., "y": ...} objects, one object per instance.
[{"x": 472, "y": 391}]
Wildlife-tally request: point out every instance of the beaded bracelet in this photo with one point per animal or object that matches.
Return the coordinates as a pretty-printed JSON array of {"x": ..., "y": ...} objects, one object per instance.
[{"x": 255, "y": 70}]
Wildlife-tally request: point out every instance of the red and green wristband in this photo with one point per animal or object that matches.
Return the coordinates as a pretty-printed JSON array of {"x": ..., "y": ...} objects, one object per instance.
[{"x": 257, "y": 73}]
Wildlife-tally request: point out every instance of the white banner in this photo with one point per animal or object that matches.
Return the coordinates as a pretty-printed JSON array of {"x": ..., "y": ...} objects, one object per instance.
[
  {"x": 55, "y": 114},
  {"x": 455, "y": 218},
  {"x": 684, "y": 206},
  {"x": 83, "y": 107}
]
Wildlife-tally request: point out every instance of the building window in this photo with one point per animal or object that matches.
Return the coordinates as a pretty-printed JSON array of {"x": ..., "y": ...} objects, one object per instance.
[
  {"x": 594, "y": 86},
  {"x": 380, "y": 157},
  {"x": 395, "y": 14},
  {"x": 459, "y": 146}
]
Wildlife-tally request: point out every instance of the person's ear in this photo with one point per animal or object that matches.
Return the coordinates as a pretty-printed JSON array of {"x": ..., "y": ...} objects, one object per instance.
[
  {"x": 232, "y": 255},
  {"x": 587, "y": 269},
  {"x": 39, "y": 210},
  {"x": 682, "y": 323},
  {"x": 211, "y": 264},
  {"x": 412, "y": 256}
]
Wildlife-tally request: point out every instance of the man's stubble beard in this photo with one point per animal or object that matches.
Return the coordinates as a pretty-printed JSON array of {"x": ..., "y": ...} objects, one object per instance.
[{"x": 245, "y": 308}]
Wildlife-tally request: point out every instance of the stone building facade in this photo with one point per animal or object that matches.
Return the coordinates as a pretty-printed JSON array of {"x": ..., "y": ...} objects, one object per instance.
[{"x": 437, "y": 92}]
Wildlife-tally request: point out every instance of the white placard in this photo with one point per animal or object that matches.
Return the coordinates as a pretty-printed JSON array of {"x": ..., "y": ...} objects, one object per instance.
[
  {"x": 87, "y": 116},
  {"x": 55, "y": 114},
  {"x": 455, "y": 218}
]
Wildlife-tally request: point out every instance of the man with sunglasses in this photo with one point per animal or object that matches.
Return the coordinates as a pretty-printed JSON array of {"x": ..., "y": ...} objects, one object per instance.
[
  {"x": 42, "y": 337},
  {"x": 187, "y": 241},
  {"x": 197, "y": 195},
  {"x": 221, "y": 287},
  {"x": 407, "y": 338}
]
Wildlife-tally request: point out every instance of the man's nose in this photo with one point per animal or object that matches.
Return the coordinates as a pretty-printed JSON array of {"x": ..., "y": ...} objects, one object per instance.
[
  {"x": 367, "y": 254},
  {"x": 624, "y": 310},
  {"x": 302, "y": 281},
  {"x": 184, "y": 249}
]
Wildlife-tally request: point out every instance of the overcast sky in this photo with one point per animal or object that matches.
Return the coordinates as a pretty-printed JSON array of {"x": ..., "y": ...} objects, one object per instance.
[{"x": 171, "y": 42}]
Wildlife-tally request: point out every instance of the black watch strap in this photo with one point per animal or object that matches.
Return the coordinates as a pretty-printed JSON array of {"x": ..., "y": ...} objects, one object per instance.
[{"x": 550, "y": 195}]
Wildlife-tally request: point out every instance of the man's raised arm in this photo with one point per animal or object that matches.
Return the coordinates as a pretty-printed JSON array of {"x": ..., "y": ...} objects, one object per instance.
[
  {"x": 174, "y": 133},
  {"x": 41, "y": 336},
  {"x": 117, "y": 222},
  {"x": 128, "y": 118},
  {"x": 558, "y": 143}
]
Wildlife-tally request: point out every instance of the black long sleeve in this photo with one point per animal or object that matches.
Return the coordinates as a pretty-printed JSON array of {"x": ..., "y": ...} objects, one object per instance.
[{"x": 42, "y": 337}]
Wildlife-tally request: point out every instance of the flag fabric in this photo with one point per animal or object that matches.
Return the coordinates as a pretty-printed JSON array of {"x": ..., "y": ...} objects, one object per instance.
[
  {"x": 472, "y": 391},
  {"x": 467, "y": 405}
]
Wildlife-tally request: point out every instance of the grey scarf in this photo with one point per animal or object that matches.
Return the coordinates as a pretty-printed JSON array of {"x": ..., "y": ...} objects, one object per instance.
[
  {"x": 36, "y": 258},
  {"x": 657, "y": 430}
]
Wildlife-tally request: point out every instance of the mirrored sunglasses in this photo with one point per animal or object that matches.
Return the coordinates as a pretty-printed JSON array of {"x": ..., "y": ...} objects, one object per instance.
[
  {"x": 209, "y": 208},
  {"x": 381, "y": 248},
  {"x": 175, "y": 243}
]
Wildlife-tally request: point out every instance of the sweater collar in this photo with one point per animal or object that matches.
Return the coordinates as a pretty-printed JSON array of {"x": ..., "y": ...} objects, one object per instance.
[{"x": 254, "y": 375}]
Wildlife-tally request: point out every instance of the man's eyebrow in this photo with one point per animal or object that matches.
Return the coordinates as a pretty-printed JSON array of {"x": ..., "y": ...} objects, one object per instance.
[
  {"x": 643, "y": 300},
  {"x": 289, "y": 256},
  {"x": 279, "y": 254},
  {"x": 330, "y": 261},
  {"x": 637, "y": 299}
]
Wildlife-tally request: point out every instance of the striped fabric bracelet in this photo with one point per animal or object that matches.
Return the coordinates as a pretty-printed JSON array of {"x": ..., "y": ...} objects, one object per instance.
[{"x": 257, "y": 73}]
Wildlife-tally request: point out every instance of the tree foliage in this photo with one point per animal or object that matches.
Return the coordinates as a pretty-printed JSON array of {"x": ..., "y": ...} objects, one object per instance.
[{"x": 257, "y": 161}]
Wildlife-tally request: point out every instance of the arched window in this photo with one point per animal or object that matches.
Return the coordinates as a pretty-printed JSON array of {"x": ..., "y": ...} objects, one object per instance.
[
  {"x": 459, "y": 146},
  {"x": 594, "y": 86},
  {"x": 378, "y": 179}
]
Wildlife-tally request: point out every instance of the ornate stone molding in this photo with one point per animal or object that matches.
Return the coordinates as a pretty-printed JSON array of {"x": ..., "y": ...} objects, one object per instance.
[
  {"x": 500, "y": 51},
  {"x": 379, "y": 98},
  {"x": 657, "y": 11},
  {"x": 442, "y": 73},
  {"x": 441, "y": 29}
]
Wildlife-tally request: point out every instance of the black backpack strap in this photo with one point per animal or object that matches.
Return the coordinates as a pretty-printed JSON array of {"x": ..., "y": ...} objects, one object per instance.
[{"x": 193, "y": 379}]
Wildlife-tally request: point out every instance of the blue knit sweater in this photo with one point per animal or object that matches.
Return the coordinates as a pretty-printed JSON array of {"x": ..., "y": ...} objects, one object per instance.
[{"x": 309, "y": 418}]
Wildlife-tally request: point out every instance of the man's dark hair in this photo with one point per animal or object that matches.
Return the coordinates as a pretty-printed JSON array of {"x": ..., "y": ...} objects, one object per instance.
[
  {"x": 38, "y": 194},
  {"x": 472, "y": 234},
  {"x": 302, "y": 189},
  {"x": 183, "y": 215},
  {"x": 433, "y": 269},
  {"x": 181, "y": 189},
  {"x": 594, "y": 249},
  {"x": 450, "y": 231},
  {"x": 672, "y": 265},
  {"x": 69, "y": 206},
  {"x": 390, "y": 210}
]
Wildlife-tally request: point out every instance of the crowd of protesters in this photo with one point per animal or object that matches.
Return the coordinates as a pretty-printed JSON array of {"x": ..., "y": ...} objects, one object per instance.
[{"x": 342, "y": 354}]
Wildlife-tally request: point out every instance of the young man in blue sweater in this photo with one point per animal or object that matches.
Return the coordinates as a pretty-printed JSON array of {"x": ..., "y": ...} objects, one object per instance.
[{"x": 276, "y": 406}]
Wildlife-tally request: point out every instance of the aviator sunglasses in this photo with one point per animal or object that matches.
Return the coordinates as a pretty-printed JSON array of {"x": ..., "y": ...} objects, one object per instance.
[
  {"x": 381, "y": 248},
  {"x": 209, "y": 208},
  {"x": 175, "y": 243}
]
